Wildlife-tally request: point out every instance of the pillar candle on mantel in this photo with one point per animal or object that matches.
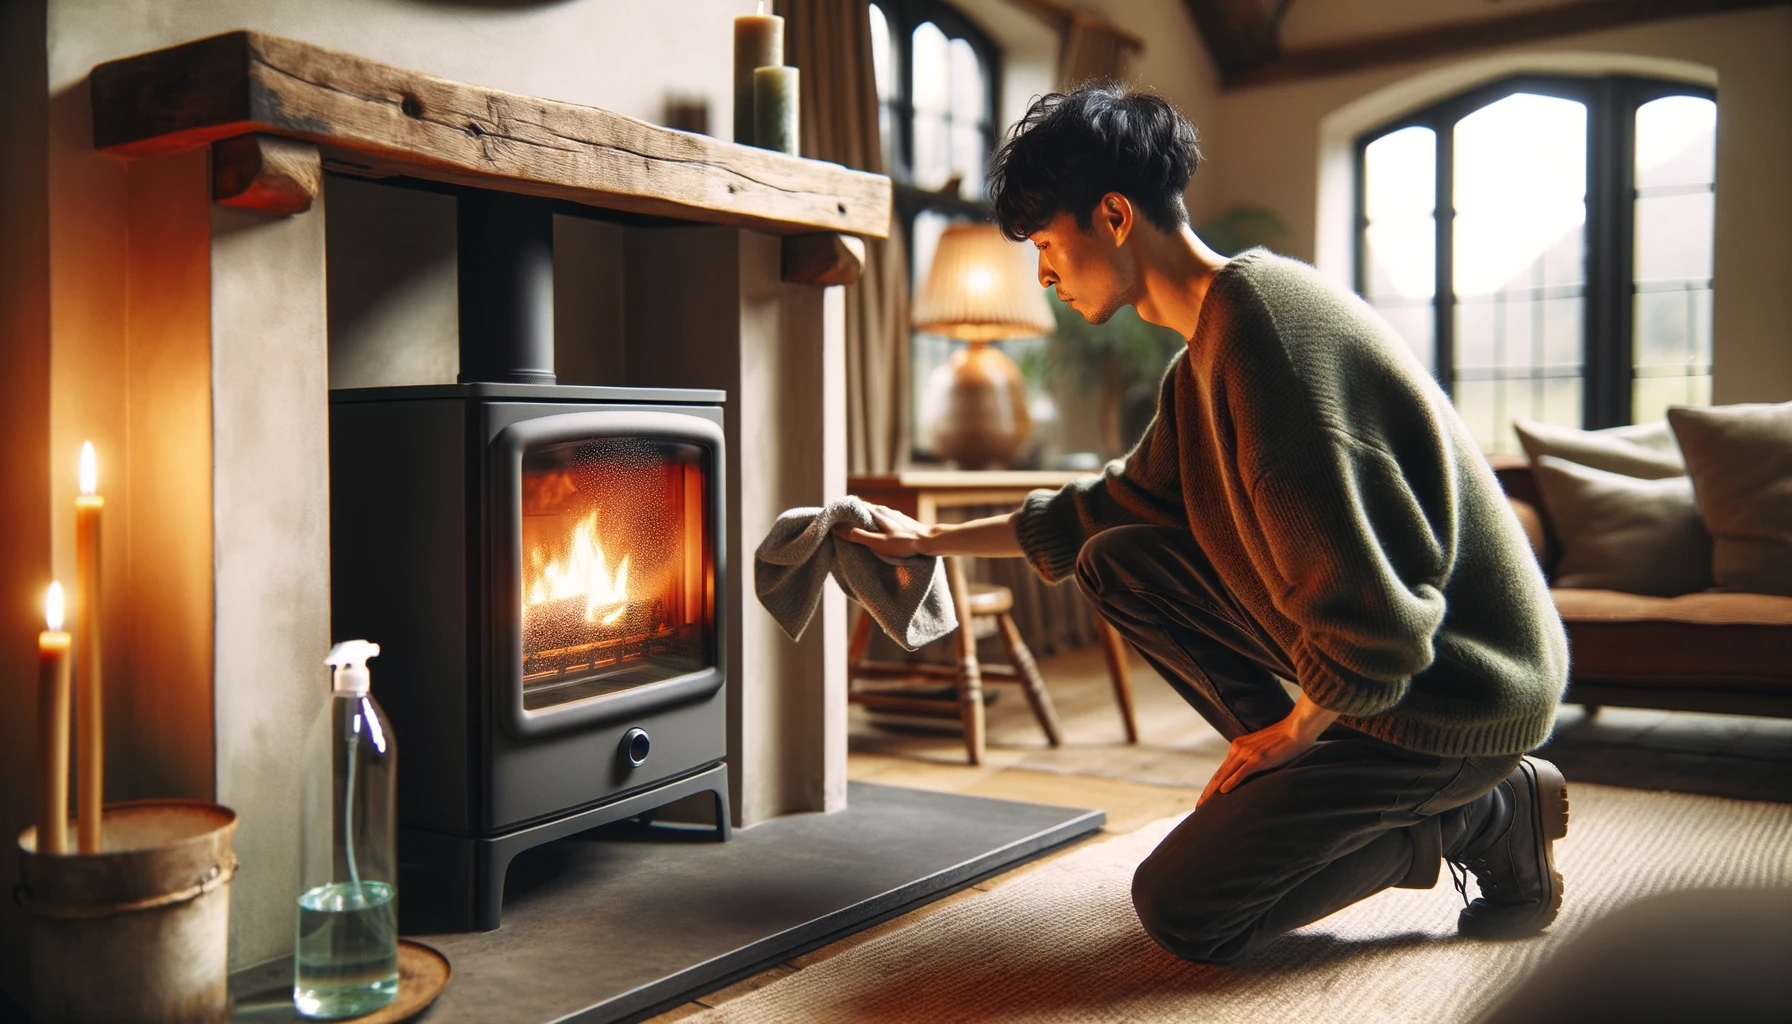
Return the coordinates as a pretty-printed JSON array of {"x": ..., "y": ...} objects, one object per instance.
[
  {"x": 89, "y": 713},
  {"x": 775, "y": 122},
  {"x": 52, "y": 728},
  {"x": 758, "y": 43}
]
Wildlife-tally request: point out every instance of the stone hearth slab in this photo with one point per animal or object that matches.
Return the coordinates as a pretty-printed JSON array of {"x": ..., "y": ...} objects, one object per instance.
[{"x": 628, "y": 920}]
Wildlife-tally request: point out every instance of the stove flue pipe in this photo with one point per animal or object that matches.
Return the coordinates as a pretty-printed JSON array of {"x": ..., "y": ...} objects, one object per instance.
[{"x": 506, "y": 288}]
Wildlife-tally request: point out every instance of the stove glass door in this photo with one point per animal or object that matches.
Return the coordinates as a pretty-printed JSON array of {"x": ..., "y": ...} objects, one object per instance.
[{"x": 617, "y": 577}]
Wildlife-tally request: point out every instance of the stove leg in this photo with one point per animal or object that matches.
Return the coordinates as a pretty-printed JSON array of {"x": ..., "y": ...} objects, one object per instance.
[
  {"x": 724, "y": 819},
  {"x": 493, "y": 863},
  {"x": 456, "y": 884}
]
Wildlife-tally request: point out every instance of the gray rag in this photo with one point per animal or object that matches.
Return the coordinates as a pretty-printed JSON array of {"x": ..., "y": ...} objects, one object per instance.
[{"x": 908, "y": 596}]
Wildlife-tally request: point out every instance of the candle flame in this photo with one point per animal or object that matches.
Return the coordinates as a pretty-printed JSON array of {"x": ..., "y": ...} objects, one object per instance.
[
  {"x": 90, "y": 470},
  {"x": 53, "y": 608},
  {"x": 762, "y": 8}
]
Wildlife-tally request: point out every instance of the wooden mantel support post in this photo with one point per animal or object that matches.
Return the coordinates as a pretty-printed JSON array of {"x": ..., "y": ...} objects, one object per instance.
[
  {"x": 823, "y": 259},
  {"x": 267, "y": 173}
]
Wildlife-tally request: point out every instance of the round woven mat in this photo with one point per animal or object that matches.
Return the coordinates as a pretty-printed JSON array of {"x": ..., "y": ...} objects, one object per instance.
[{"x": 422, "y": 975}]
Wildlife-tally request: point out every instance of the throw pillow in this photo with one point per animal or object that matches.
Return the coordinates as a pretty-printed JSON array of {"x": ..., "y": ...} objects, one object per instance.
[
  {"x": 1622, "y": 533},
  {"x": 1740, "y": 461},
  {"x": 1645, "y": 450}
]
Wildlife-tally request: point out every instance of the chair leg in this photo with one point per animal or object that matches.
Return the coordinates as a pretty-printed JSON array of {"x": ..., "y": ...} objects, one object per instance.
[
  {"x": 861, "y": 640},
  {"x": 1032, "y": 683},
  {"x": 970, "y": 673},
  {"x": 1114, "y": 648}
]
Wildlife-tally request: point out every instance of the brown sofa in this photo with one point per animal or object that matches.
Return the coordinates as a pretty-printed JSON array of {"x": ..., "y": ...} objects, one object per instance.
[{"x": 1722, "y": 652}]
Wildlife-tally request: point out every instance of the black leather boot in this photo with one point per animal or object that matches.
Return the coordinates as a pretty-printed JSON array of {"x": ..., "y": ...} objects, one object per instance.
[{"x": 1513, "y": 856}]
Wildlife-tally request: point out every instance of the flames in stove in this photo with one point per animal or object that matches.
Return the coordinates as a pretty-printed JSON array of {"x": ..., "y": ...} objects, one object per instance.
[
  {"x": 581, "y": 570},
  {"x": 614, "y": 580}
]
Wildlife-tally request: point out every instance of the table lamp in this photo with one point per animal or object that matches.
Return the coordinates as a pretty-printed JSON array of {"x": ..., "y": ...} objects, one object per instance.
[{"x": 981, "y": 288}]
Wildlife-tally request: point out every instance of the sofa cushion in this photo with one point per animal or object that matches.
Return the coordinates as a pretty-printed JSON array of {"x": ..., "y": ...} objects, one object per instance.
[
  {"x": 1622, "y": 533},
  {"x": 1739, "y": 640},
  {"x": 1644, "y": 450},
  {"x": 1740, "y": 460}
]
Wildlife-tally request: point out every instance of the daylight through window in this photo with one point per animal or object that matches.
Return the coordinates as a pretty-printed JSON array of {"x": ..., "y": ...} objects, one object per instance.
[{"x": 1544, "y": 248}]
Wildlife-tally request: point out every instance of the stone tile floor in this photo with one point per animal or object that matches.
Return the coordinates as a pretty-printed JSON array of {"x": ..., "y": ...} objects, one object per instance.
[{"x": 1716, "y": 755}]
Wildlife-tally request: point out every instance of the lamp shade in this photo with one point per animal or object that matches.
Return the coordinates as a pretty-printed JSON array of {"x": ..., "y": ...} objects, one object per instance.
[{"x": 981, "y": 287}]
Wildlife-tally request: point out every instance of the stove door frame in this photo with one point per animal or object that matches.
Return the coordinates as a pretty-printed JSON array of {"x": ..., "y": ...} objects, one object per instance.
[{"x": 505, "y": 466}]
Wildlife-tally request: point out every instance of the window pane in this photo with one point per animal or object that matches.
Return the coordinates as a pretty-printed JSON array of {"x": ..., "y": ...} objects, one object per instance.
[
  {"x": 967, "y": 158},
  {"x": 931, "y": 68},
  {"x": 968, "y": 101},
  {"x": 933, "y": 158},
  {"x": 1400, "y": 239},
  {"x": 967, "y": 83},
  {"x": 880, "y": 53},
  {"x": 932, "y": 140},
  {"x": 1673, "y": 237},
  {"x": 1520, "y": 179},
  {"x": 886, "y": 137},
  {"x": 1676, "y": 140}
]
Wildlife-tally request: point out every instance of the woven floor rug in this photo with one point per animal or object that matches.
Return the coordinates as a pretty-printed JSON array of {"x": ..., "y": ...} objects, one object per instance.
[{"x": 1061, "y": 943}]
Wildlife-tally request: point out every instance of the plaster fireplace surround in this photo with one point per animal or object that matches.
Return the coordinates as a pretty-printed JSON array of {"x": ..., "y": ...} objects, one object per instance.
[
  {"x": 705, "y": 287},
  {"x": 511, "y": 386}
]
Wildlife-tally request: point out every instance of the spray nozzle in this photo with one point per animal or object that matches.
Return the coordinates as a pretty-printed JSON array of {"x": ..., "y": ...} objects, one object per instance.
[{"x": 349, "y": 660}]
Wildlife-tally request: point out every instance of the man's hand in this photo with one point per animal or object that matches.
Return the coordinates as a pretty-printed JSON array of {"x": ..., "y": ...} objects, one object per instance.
[
  {"x": 1268, "y": 748},
  {"x": 897, "y": 535}
]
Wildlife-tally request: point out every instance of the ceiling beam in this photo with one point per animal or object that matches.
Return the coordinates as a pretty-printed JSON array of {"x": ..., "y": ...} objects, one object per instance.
[
  {"x": 1240, "y": 34},
  {"x": 1061, "y": 16},
  {"x": 1461, "y": 37}
]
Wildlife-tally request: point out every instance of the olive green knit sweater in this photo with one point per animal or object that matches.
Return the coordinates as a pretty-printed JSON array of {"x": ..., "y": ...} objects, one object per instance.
[{"x": 1346, "y": 507}]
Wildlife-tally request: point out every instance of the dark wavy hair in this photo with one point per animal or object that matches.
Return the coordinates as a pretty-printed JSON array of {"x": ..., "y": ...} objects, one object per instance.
[{"x": 1072, "y": 149}]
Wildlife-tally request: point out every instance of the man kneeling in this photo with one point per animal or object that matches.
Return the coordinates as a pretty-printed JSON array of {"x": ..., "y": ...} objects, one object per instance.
[{"x": 1308, "y": 506}]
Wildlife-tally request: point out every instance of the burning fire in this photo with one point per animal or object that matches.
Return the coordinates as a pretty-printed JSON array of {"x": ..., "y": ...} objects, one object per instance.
[{"x": 583, "y": 571}]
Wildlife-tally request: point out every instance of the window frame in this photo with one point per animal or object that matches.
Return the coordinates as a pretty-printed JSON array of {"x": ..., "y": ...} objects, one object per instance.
[
  {"x": 1607, "y": 370},
  {"x": 903, "y": 17}
]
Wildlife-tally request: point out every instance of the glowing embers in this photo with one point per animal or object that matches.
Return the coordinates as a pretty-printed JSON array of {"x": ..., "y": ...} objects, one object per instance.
[{"x": 582, "y": 571}]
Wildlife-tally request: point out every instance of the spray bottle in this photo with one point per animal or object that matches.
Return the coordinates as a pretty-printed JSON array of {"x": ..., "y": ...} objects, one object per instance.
[{"x": 346, "y": 962}]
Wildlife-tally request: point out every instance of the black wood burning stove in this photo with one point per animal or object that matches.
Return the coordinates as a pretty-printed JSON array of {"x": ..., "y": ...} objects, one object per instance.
[{"x": 543, "y": 567}]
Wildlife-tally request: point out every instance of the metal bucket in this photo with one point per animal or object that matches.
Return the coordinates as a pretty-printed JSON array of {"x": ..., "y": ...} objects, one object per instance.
[{"x": 138, "y": 931}]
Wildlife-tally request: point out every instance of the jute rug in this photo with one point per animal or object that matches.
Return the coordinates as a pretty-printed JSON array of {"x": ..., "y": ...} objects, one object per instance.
[{"x": 1061, "y": 943}]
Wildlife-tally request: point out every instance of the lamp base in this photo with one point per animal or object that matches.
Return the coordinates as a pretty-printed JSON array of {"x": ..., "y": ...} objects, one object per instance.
[{"x": 982, "y": 401}]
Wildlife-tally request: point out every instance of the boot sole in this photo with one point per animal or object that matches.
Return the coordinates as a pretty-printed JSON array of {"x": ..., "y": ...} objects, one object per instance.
[{"x": 1551, "y": 810}]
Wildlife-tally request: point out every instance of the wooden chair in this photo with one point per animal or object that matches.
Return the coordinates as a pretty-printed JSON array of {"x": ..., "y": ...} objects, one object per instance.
[{"x": 983, "y": 600}]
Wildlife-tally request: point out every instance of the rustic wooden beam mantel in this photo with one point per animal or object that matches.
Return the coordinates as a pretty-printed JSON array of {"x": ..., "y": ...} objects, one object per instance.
[{"x": 377, "y": 120}]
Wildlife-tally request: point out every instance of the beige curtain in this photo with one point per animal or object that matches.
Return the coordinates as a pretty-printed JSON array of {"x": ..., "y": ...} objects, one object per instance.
[
  {"x": 1091, "y": 52},
  {"x": 830, "y": 41}
]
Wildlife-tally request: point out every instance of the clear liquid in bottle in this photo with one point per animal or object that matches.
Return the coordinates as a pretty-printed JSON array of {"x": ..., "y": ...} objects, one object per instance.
[{"x": 348, "y": 954}]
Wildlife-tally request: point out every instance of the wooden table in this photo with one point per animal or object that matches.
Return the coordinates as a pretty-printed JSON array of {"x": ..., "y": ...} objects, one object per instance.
[{"x": 922, "y": 494}]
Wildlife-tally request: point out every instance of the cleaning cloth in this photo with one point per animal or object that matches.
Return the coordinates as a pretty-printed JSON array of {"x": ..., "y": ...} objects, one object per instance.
[{"x": 906, "y": 596}]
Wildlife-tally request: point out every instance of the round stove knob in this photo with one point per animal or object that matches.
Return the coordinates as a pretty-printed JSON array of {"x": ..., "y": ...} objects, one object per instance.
[{"x": 635, "y": 746}]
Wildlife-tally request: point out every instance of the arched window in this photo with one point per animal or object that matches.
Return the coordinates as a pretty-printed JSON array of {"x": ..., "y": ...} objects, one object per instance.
[
  {"x": 1544, "y": 244},
  {"x": 937, "y": 79},
  {"x": 936, "y": 90}
]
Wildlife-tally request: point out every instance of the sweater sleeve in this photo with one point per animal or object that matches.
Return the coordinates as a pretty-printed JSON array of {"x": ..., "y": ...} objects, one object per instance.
[{"x": 1141, "y": 489}]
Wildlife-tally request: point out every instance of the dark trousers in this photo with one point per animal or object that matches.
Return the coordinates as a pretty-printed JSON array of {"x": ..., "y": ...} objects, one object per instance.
[{"x": 1348, "y": 818}]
